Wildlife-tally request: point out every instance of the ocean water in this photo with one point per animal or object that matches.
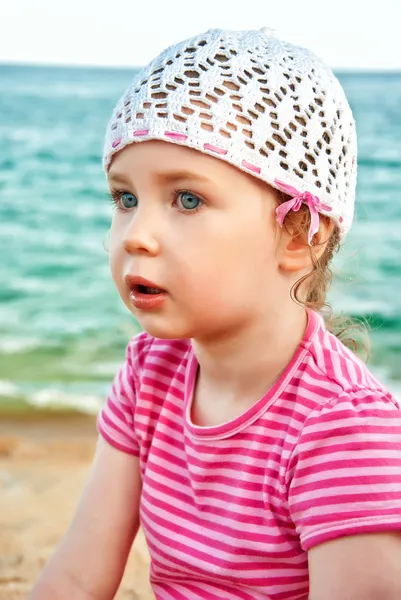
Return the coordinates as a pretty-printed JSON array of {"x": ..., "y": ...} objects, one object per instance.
[{"x": 63, "y": 329}]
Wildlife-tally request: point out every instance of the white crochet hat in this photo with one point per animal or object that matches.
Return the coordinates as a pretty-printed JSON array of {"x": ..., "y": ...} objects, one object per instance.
[{"x": 270, "y": 108}]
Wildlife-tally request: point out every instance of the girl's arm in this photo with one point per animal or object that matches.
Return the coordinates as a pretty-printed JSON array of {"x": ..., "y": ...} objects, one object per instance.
[
  {"x": 90, "y": 560},
  {"x": 357, "y": 567}
]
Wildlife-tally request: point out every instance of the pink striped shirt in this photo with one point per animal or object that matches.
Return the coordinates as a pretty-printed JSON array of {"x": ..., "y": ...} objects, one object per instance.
[{"x": 230, "y": 511}]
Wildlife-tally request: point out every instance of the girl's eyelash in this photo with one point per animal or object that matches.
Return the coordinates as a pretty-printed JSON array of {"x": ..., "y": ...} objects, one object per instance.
[{"x": 114, "y": 197}]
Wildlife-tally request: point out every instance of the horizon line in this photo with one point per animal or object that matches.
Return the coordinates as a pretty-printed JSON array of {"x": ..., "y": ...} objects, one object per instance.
[{"x": 123, "y": 67}]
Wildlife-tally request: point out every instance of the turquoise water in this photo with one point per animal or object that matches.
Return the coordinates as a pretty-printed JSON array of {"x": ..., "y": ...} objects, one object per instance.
[{"x": 63, "y": 329}]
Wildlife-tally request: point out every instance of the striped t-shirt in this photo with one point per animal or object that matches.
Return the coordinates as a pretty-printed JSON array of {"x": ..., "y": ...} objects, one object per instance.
[{"x": 230, "y": 511}]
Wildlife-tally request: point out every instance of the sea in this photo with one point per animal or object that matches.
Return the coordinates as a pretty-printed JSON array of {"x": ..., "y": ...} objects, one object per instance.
[{"x": 63, "y": 328}]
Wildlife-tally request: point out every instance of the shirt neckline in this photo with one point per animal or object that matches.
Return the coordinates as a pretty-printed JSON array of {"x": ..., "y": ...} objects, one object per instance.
[{"x": 235, "y": 425}]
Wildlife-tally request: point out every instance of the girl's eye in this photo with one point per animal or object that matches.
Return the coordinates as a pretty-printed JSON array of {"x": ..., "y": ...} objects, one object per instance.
[
  {"x": 189, "y": 201},
  {"x": 128, "y": 200}
]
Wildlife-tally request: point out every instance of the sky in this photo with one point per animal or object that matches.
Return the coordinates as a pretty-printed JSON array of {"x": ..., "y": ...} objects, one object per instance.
[{"x": 347, "y": 34}]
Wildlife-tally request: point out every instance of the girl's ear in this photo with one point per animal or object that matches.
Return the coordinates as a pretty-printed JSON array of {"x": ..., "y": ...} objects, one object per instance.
[{"x": 295, "y": 254}]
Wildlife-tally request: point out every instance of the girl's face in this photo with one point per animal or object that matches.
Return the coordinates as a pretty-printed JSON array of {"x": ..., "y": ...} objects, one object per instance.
[{"x": 201, "y": 230}]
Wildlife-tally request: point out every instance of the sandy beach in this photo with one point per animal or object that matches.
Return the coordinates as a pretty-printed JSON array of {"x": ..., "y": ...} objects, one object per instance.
[{"x": 44, "y": 460}]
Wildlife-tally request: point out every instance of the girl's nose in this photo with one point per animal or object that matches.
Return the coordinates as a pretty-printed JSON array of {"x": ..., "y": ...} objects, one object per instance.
[{"x": 140, "y": 234}]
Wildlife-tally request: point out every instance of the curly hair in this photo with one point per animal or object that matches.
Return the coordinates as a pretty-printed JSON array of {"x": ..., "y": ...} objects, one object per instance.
[{"x": 314, "y": 285}]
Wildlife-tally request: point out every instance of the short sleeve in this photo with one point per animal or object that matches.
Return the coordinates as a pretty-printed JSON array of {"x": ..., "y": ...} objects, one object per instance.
[
  {"x": 115, "y": 421},
  {"x": 344, "y": 477}
]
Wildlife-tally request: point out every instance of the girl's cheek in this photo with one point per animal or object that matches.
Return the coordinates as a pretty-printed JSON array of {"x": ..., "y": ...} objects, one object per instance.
[
  {"x": 116, "y": 239},
  {"x": 115, "y": 261}
]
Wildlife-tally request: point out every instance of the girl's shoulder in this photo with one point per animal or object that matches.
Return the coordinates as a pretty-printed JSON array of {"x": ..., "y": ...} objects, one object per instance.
[{"x": 330, "y": 361}]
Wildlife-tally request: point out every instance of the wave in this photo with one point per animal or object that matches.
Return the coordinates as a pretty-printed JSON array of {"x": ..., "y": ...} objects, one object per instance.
[
  {"x": 51, "y": 397},
  {"x": 388, "y": 163},
  {"x": 21, "y": 345}
]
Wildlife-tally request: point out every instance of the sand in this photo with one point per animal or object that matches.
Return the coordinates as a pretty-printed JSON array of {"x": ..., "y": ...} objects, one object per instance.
[{"x": 44, "y": 460}]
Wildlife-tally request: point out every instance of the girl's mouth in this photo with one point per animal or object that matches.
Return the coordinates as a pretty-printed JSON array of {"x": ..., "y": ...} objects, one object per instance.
[
  {"x": 144, "y": 289},
  {"x": 144, "y": 294}
]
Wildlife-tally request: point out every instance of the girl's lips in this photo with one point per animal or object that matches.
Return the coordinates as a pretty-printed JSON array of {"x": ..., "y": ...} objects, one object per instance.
[
  {"x": 147, "y": 301},
  {"x": 139, "y": 298},
  {"x": 133, "y": 281}
]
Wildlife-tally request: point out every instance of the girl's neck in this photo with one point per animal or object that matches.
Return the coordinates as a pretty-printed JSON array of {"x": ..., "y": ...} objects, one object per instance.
[{"x": 251, "y": 359}]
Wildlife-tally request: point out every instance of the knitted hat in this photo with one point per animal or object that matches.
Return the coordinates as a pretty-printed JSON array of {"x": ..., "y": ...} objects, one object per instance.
[{"x": 268, "y": 107}]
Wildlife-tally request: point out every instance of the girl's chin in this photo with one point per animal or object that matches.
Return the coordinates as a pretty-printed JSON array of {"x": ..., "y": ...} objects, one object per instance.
[{"x": 159, "y": 326}]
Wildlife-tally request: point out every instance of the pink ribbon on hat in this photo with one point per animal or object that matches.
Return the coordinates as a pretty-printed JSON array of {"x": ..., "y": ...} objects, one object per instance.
[{"x": 297, "y": 199}]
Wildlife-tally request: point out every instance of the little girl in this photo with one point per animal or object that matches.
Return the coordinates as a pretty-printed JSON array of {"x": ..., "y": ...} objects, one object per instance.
[{"x": 258, "y": 453}]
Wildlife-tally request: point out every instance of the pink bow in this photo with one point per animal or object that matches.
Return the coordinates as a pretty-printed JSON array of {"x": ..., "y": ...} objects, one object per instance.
[{"x": 299, "y": 198}]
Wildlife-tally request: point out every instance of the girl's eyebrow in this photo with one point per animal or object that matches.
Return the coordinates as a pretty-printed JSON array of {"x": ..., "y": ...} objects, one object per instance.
[
  {"x": 118, "y": 177},
  {"x": 167, "y": 177},
  {"x": 172, "y": 176}
]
